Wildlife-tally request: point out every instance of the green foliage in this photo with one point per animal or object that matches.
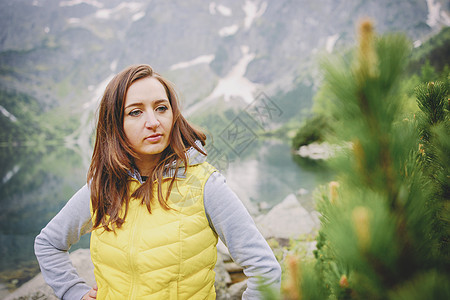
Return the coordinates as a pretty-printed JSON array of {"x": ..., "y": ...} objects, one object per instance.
[
  {"x": 429, "y": 62},
  {"x": 433, "y": 52},
  {"x": 427, "y": 72},
  {"x": 434, "y": 134},
  {"x": 313, "y": 130},
  {"x": 384, "y": 225},
  {"x": 432, "y": 101},
  {"x": 23, "y": 110},
  {"x": 30, "y": 126}
]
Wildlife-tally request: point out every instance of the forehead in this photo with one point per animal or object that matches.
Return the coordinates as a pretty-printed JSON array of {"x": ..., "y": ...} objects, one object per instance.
[{"x": 148, "y": 88}]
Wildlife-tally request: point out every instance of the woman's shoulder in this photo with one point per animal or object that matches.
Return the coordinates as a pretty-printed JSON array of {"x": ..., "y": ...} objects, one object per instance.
[{"x": 201, "y": 171}]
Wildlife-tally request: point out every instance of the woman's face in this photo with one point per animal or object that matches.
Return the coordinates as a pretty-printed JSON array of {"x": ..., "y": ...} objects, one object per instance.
[{"x": 148, "y": 118}]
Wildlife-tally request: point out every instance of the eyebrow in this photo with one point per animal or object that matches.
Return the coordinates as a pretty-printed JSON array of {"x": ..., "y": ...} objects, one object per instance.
[{"x": 155, "y": 102}]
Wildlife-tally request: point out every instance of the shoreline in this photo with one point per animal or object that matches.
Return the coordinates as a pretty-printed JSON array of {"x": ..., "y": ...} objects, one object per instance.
[{"x": 283, "y": 222}]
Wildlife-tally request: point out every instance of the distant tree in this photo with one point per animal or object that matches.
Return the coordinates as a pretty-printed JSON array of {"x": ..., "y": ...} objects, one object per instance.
[{"x": 313, "y": 130}]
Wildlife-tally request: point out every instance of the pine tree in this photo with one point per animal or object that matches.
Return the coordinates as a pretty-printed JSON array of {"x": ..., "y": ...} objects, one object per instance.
[
  {"x": 385, "y": 221},
  {"x": 434, "y": 144}
]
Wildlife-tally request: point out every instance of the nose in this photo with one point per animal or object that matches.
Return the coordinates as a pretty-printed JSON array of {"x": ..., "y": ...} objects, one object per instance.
[{"x": 151, "y": 121}]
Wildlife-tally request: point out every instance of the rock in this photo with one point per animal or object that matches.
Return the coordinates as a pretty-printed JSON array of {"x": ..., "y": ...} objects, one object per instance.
[
  {"x": 302, "y": 192},
  {"x": 236, "y": 290},
  {"x": 222, "y": 280},
  {"x": 3, "y": 291},
  {"x": 316, "y": 151},
  {"x": 222, "y": 274},
  {"x": 233, "y": 267},
  {"x": 310, "y": 247},
  {"x": 36, "y": 288},
  {"x": 263, "y": 206},
  {"x": 287, "y": 220}
]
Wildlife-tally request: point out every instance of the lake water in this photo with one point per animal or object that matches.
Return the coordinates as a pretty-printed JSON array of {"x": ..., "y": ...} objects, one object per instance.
[{"x": 37, "y": 183}]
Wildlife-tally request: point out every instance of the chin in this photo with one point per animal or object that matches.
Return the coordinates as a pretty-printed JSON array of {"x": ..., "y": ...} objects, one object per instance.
[{"x": 157, "y": 149}]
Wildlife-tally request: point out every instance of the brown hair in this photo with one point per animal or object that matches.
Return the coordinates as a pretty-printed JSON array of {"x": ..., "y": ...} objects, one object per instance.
[{"x": 113, "y": 158}]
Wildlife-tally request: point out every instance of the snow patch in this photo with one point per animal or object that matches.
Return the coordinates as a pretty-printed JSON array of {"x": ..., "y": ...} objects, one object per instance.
[
  {"x": 98, "y": 93},
  {"x": 103, "y": 14},
  {"x": 7, "y": 114},
  {"x": 221, "y": 9},
  {"x": 204, "y": 59},
  {"x": 73, "y": 20},
  {"x": 233, "y": 85},
  {"x": 435, "y": 15},
  {"x": 331, "y": 41},
  {"x": 132, "y": 7},
  {"x": 252, "y": 11},
  {"x": 138, "y": 16},
  {"x": 212, "y": 8},
  {"x": 76, "y": 2},
  {"x": 229, "y": 30},
  {"x": 224, "y": 11}
]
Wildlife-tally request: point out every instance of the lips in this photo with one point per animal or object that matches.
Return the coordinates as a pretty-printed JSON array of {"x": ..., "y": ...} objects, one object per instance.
[{"x": 154, "y": 137}]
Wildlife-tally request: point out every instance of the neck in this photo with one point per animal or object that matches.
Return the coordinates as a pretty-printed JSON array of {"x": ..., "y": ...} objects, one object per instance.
[{"x": 146, "y": 165}]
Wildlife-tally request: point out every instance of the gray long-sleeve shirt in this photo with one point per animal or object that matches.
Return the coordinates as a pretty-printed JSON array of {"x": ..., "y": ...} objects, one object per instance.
[{"x": 225, "y": 212}]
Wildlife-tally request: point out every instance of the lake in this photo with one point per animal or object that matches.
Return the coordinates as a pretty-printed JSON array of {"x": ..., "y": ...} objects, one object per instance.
[{"x": 37, "y": 183}]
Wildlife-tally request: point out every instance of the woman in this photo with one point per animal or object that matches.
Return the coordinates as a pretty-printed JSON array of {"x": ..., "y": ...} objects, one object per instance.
[{"x": 155, "y": 207}]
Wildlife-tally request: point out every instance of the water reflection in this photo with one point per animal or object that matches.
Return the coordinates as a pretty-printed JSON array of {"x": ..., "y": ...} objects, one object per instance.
[
  {"x": 270, "y": 173},
  {"x": 35, "y": 186}
]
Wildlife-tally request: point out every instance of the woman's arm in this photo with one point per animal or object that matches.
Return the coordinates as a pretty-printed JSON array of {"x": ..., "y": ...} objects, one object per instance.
[
  {"x": 52, "y": 244},
  {"x": 236, "y": 229}
]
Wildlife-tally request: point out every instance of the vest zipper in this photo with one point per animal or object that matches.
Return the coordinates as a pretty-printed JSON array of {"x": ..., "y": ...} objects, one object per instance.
[{"x": 132, "y": 257}]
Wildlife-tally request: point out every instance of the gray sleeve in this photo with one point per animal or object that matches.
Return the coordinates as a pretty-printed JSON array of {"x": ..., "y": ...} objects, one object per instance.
[
  {"x": 52, "y": 244},
  {"x": 236, "y": 229}
]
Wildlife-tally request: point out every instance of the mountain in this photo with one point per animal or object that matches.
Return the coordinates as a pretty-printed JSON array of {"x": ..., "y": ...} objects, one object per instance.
[
  {"x": 56, "y": 57},
  {"x": 57, "y": 51}
]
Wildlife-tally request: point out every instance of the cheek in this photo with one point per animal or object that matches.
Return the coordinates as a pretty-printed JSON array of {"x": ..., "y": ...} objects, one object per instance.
[
  {"x": 168, "y": 125},
  {"x": 130, "y": 130},
  {"x": 170, "y": 122}
]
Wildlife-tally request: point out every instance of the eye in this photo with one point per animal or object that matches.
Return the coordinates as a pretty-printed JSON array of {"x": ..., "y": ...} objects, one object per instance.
[
  {"x": 161, "y": 108},
  {"x": 135, "y": 113}
]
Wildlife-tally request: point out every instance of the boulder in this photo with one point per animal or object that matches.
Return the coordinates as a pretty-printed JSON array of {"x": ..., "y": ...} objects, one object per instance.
[
  {"x": 36, "y": 288},
  {"x": 223, "y": 278},
  {"x": 317, "y": 151},
  {"x": 288, "y": 219},
  {"x": 236, "y": 290}
]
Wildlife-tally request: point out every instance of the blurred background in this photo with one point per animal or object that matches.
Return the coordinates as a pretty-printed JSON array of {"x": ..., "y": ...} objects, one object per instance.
[{"x": 247, "y": 72}]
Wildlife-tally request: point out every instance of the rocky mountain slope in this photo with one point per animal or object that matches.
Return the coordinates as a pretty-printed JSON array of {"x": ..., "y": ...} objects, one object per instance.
[{"x": 58, "y": 51}]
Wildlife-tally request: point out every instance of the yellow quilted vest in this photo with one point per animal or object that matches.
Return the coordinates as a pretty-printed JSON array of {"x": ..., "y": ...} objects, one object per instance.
[{"x": 168, "y": 254}]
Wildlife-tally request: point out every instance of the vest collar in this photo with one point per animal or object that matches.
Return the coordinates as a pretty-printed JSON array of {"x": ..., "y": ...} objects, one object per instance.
[{"x": 194, "y": 158}]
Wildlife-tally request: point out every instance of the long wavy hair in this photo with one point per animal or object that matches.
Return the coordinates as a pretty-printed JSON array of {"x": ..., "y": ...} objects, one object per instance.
[{"x": 113, "y": 158}]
